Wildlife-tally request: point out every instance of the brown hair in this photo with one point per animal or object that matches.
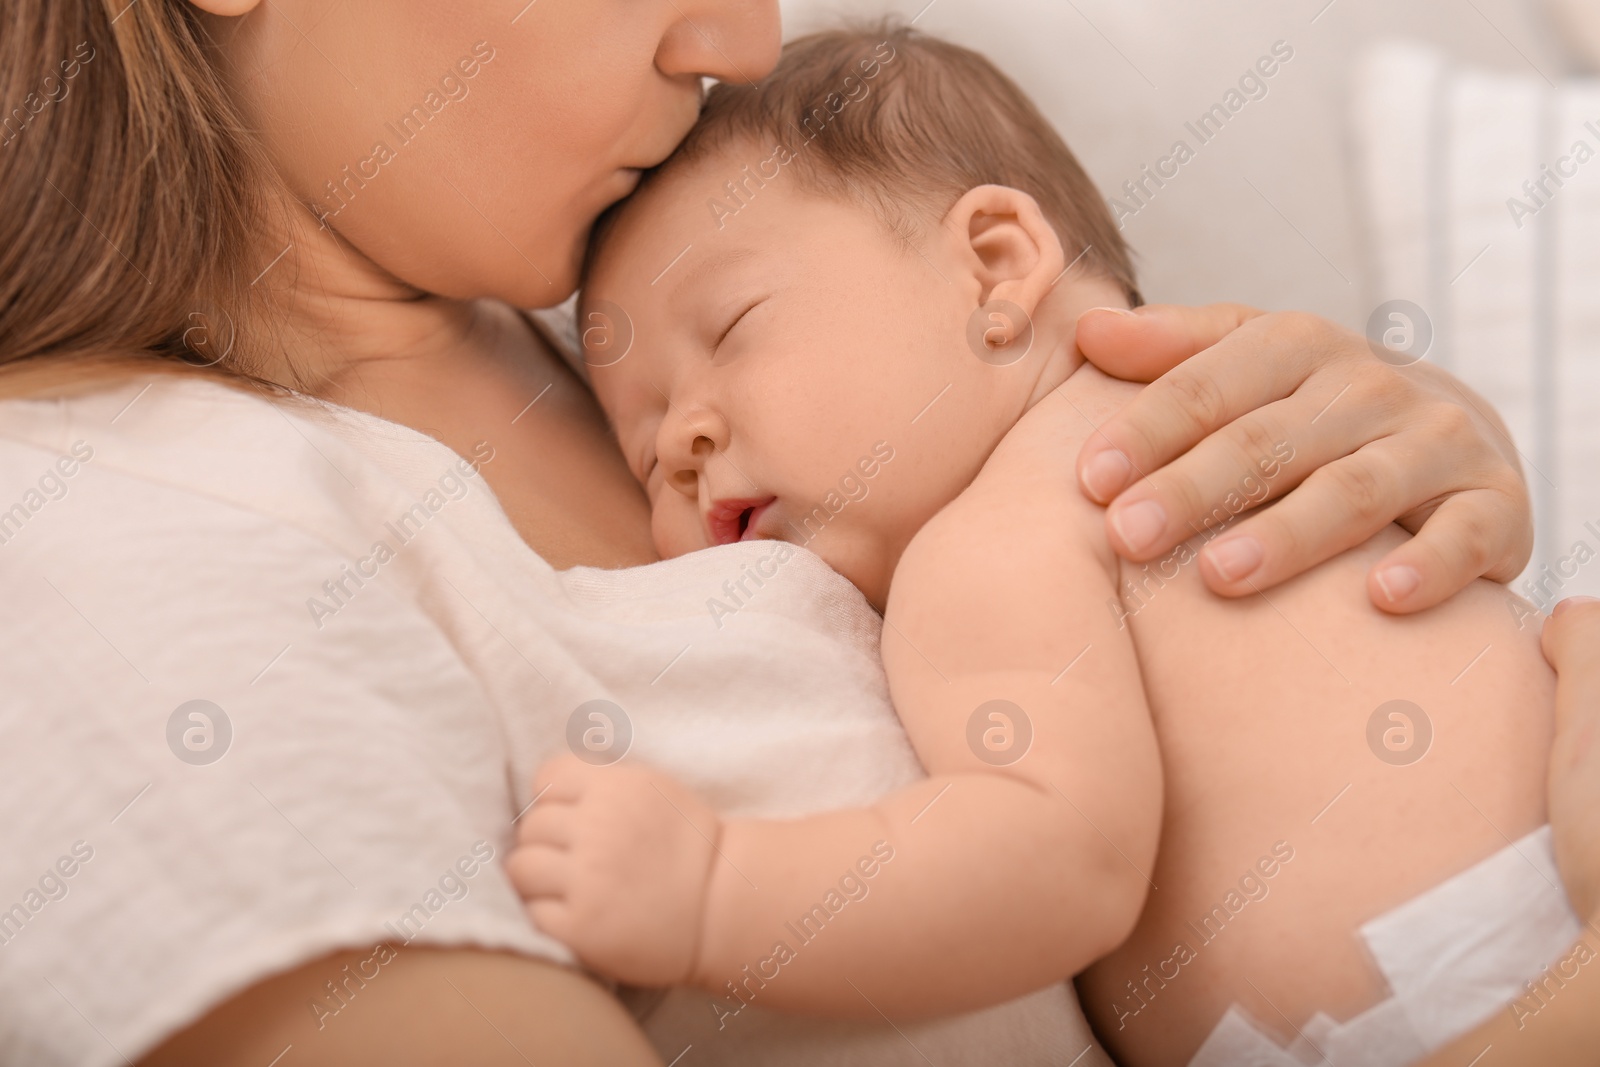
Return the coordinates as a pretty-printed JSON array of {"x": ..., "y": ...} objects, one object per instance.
[
  {"x": 130, "y": 185},
  {"x": 895, "y": 118}
]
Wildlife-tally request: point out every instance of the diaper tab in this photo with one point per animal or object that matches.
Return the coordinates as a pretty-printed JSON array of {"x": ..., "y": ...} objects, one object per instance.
[
  {"x": 1452, "y": 956},
  {"x": 1237, "y": 1043},
  {"x": 1462, "y": 950}
]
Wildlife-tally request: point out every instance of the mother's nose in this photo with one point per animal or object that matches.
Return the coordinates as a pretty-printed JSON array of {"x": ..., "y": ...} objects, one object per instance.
[{"x": 730, "y": 40}]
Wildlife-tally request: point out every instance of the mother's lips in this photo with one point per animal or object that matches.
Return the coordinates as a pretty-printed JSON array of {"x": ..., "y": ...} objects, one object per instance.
[{"x": 735, "y": 520}]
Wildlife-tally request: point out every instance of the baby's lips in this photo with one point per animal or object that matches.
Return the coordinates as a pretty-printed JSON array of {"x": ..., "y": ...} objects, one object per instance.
[
  {"x": 725, "y": 519},
  {"x": 750, "y": 530}
]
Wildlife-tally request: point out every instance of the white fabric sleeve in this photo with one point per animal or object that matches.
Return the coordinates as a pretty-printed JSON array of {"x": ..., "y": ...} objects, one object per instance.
[{"x": 362, "y": 796}]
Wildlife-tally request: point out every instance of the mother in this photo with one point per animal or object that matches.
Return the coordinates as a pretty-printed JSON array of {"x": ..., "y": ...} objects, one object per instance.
[{"x": 346, "y": 200}]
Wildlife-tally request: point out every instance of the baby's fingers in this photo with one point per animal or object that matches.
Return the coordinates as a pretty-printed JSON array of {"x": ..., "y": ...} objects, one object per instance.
[
  {"x": 546, "y": 824},
  {"x": 540, "y": 871},
  {"x": 562, "y": 779},
  {"x": 552, "y": 916}
]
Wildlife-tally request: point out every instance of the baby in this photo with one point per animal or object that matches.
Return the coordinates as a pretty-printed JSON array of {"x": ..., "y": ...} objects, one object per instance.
[{"x": 853, "y": 297}]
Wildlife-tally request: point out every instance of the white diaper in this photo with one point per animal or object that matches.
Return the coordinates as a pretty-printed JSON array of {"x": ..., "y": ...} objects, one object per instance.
[{"x": 1452, "y": 956}]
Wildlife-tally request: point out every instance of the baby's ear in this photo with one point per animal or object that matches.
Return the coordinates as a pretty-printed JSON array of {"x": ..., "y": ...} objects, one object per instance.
[{"x": 1014, "y": 253}]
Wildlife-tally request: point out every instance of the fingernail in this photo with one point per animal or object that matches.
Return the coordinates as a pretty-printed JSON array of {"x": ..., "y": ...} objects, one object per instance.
[
  {"x": 1236, "y": 558},
  {"x": 1106, "y": 474},
  {"x": 1115, "y": 311},
  {"x": 1573, "y": 600},
  {"x": 1398, "y": 583},
  {"x": 1140, "y": 525}
]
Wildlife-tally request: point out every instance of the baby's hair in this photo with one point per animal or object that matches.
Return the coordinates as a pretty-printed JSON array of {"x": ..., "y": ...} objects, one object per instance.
[{"x": 905, "y": 123}]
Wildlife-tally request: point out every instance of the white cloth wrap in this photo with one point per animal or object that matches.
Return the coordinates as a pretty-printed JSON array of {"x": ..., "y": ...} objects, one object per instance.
[{"x": 377, "y": 741}]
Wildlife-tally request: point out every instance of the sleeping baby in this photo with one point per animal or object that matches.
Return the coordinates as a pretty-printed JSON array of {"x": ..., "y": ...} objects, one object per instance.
[{"x": 1285, "y": 828}]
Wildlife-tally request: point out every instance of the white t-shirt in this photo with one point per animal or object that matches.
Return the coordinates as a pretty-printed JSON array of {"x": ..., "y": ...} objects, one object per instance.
[{"x": 276, "y": 676}]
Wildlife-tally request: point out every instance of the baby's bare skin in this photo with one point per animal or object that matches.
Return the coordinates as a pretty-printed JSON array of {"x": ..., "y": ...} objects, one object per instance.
[
  {"x": 1261, "y": 706},
  {"x": 777, "y": 413},
  {"x": 760, "y": 385}
]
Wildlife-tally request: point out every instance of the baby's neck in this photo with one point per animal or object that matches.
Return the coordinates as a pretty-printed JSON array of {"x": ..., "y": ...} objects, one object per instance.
[
  {"x": 1061, "y": 364},
  {"x": 1055, "y": 325}
]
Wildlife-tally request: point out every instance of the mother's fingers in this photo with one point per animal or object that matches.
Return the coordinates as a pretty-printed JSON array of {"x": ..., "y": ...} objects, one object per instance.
[
  {"x": 1246, "y": 370},
  {"x": 1257, "y": 458},
  {"x": 1142, "y": 345},
  {"x": 1461, "y": 540},
  {"x": 1338, "y": 506},
  {"x": 1571, "y": 642},
  {"x": 1387, "y": 445}
]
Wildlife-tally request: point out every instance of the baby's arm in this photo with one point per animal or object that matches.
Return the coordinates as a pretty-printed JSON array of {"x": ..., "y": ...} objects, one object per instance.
[
  {"x": 1021, "y": 859},
  {"x": 1005, "y": 876}
]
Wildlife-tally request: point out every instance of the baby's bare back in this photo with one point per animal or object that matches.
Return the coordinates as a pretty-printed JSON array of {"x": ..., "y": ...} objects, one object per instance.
[{"x": 1324, "y": 762}]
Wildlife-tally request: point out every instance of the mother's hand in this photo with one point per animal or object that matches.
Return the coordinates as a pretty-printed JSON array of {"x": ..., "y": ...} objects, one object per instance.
[
  {"x": 1572, "y": 645},
  {"x": 1372, "y": 444}
]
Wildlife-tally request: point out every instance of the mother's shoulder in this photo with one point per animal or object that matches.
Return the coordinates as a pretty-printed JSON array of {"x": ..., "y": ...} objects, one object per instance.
[
  {"x": 274, "y": 452},
  {"x": 132, "y": 407}
]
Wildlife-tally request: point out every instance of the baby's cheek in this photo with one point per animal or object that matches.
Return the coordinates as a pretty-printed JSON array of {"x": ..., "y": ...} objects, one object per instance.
[{"x": 675, "y": 525}]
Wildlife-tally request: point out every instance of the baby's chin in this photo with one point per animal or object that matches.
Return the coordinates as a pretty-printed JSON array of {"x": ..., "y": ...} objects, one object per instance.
[
  {"x": 670, "y": 551},
  {"x": 671, "y": 544}
]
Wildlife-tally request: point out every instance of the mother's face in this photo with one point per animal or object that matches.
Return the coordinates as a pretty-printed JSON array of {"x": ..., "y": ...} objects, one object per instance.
[{"x": 466, "y": 147}]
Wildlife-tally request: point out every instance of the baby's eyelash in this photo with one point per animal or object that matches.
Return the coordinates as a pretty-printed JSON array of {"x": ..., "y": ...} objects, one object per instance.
[{"x": 737, "y": 319}]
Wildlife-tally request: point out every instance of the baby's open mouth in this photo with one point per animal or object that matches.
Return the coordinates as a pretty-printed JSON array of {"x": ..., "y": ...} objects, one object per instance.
[{"x": 734, "y": 520}]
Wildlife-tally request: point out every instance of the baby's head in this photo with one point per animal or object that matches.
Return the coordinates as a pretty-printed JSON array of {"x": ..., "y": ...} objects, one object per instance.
[{"x": 817, "y": 319}]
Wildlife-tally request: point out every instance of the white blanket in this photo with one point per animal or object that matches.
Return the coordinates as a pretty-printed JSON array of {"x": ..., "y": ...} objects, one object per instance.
[{"x": 371, "y": 722}]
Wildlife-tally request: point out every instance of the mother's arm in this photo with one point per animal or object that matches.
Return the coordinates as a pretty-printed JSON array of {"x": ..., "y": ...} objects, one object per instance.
[
  {"x": 1373, "y": 443},
  {"x": 432, "y": 1006},
  {"x": 1561, "y": 1027}
]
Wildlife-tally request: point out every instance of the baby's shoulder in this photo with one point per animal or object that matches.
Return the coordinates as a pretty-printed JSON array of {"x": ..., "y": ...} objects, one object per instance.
[
  {"x": 1041, "y": 450},
  {"x": 1019, "y": 552},
  {"x": 1025, "y": 501}
]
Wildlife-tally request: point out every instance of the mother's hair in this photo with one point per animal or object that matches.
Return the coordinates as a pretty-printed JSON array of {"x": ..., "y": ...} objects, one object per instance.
[{"x": 129, "y": 213}]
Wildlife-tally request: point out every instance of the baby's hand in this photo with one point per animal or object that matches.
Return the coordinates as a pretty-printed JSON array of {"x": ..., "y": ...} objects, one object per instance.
[
  {"x": 615, "y": 861},
  {"x": 1572, "y": 644}
]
